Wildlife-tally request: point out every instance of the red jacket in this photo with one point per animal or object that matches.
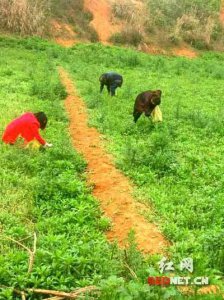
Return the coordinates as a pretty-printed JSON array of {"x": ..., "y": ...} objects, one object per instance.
[{"x": 26, "y": 126}]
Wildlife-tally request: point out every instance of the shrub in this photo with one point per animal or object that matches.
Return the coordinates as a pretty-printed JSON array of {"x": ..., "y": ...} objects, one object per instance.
[
  {"x": 73, "y": 12},
  {"x": 191, "y": 21},
  {"x": 92, "y": 35},
  {"x": 128, "y": 36},
  {"x": 124, "y": 10}
]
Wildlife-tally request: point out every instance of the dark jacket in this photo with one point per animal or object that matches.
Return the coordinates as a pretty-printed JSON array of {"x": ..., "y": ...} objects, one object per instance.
[{"x": 111, "y": 78}]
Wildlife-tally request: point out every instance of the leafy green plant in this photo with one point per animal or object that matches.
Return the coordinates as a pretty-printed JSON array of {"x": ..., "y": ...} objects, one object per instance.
[
  {"x": 176, "y": 164},
  {"x": 176, "y": 167}
]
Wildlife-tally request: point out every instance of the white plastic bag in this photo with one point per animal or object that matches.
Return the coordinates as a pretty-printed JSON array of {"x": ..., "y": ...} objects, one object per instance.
[{"x": 157, "y": 115}]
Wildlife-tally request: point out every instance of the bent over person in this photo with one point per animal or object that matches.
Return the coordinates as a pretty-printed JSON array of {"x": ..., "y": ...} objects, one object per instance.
[
  {"x": 112, "y": 81},
  {"x": 146, "y": 102},
  {"x": 27, "y": 126}
]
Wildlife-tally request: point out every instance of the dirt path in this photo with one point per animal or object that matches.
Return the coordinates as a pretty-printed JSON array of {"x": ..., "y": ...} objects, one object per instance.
[
  {"x": 101, "y": 22},
  {"x": 221, "y": 15},
  {"x": 111, "y": 187},
  {"x": 63, "y": 34}
]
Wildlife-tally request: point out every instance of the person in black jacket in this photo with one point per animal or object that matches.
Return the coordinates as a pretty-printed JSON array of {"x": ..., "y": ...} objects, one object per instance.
[
  {"x": 146, "y": 102},
  {"x": 112, "y": 80}
]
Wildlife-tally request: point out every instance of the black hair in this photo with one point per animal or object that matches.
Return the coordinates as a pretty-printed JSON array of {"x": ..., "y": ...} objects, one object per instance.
[{"x": 42, "y": 119}]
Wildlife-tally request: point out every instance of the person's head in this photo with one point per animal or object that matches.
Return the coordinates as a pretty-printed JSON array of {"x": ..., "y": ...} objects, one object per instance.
[
  {"x": 153, "y": 101},
  {"x": 42, "y": 119},
  {"x": 156, "y": 97}
]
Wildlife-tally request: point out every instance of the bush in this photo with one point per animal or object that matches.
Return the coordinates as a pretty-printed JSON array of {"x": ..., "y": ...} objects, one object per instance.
[
  {"x": 73, "y": 12},
  {"x": 92, "y": 35},
  {"x": 124, "y": 10},
  {"x": 194, "y": 22},
  {"x": 128, "y": 36}
]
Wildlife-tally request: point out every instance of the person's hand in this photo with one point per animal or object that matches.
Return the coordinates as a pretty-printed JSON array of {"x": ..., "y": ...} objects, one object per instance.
[{"x": 48, "y": 145}]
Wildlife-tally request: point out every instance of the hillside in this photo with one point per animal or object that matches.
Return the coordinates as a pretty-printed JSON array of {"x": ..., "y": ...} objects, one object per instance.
[{"x": 150, "y": 26}]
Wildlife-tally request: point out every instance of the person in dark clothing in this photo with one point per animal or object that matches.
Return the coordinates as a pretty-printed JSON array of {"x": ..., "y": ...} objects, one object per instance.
[
  {"x": 146, "y": 102},
  {"x": 112, "y": 81}
]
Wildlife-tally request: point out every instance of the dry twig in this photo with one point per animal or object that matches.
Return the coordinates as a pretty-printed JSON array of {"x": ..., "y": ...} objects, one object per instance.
[
  {"x": 131, "y": 271},
  {"x": 31, "y": 252},
  {"x": 57, "y": 295},
  {"x": 23, "y": 295}
]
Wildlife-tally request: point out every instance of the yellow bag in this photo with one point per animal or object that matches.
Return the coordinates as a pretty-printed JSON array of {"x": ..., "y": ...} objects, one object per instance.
[
  {"x": 157, "y": 115},
  {"x": 33, "y": 145}
]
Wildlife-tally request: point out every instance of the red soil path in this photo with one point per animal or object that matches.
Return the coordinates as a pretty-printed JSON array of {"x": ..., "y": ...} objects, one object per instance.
[
  {"x": 101, "y": 22},
  {"x": 221, "y": 15},
  {"x": 111, "y": 187}
]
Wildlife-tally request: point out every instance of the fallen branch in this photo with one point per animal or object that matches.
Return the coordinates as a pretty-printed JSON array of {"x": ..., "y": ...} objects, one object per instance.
[
  {"x": 17, "y": 242},
  {"x": 128, "y": 267},
  {"x": 31, "y": 252},
  {"x": 55, "y": 298},
  {"x": 71, "y": 295},
  {"x": 23, "y": 295},
  {"x": 131, "y": 271},
  {"x": 57, "y": 295},
  {"x": 26, "y": 238}
]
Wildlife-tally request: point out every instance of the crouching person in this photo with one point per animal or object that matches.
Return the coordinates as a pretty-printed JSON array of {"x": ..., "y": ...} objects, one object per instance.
[
  {"x": 26, "y": 126},
  {"x": 112, "y": 81}
]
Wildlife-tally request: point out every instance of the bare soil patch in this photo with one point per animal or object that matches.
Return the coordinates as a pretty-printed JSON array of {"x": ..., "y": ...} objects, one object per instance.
[{"x": 102, "y": 17}]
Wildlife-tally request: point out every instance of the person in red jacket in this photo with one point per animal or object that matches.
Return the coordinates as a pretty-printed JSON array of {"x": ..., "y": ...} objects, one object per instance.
[{"x": 27, "y": 126}]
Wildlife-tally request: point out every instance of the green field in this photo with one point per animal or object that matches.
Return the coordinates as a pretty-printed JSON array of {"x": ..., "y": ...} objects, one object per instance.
[{"x": 176, "y": 167}]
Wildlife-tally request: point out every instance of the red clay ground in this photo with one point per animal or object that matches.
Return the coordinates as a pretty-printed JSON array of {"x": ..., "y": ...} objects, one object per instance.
[
  {"x": 221, "y": 15},
  {"x": 185, "y": 51},
  {"x": 102, "y": 16},
  {"x": 63, "y": 34},
  {"x": 111, "y": 187}
]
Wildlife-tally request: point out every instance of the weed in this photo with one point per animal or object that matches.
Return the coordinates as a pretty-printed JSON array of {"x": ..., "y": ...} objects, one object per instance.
[{"x": 176, "y": 165}]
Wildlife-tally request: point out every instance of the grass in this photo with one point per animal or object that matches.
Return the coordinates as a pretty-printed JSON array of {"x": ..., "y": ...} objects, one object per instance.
[
  {"x": 175, "y": 165},
  {"x": 45, "y": 192}
]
